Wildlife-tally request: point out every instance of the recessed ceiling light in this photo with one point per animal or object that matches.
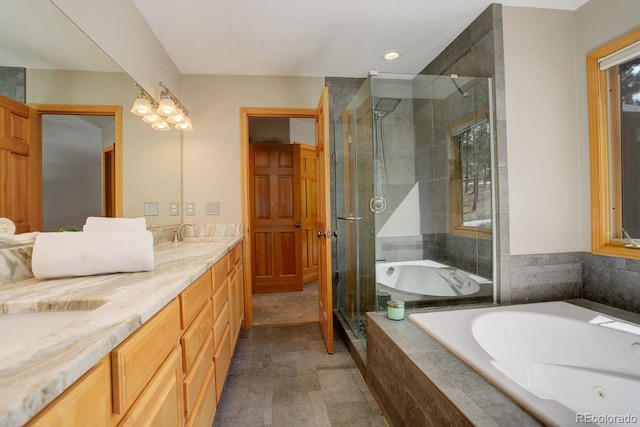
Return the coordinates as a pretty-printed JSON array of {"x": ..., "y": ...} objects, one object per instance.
[{"x": 391, "y": 55}]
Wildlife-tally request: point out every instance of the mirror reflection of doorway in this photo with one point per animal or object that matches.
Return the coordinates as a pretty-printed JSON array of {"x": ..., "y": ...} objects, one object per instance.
[{"x": 76, "y": 184}]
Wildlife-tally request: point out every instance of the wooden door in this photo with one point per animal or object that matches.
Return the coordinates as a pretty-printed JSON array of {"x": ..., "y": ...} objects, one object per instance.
[
  {"x": 309, "y": 212},
  {"x": 108, "y": 181},
  {"x": 324, "y": 220},
  {"x": 20, "y": 166},
  {"x": 274, "y": 210}
]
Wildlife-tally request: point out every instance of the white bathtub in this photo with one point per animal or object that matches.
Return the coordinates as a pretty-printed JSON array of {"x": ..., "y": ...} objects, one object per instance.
[
  {"x": 427, "y": 278},
  {"x": 564, "y": 363}
]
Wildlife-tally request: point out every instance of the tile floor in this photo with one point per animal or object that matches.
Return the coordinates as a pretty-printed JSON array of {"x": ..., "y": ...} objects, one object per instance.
[{"x": 282, "y": 376}]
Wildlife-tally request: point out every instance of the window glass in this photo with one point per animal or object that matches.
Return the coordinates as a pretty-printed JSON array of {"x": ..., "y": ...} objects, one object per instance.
[
  {"x": 624, "y": 141},
  {"x": 471, "y": 174}
]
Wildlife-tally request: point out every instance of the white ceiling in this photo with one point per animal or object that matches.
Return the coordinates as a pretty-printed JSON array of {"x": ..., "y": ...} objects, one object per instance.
[
  {"x": 343, "y": 38},
  {"x": 309, "y": 37}
]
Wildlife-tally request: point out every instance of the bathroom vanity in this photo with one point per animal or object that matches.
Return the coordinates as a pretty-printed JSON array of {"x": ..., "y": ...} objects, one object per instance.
[{"x": 145, "y": 346}]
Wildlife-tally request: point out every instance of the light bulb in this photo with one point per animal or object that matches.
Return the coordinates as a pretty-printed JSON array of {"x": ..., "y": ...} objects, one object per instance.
[
  {"x": 151, "y": 118},
  {"x": 160, "y": 125},
  {"x": 166, "y": 107},
  {"x": 176, "y": 118},
  {"x": 185, "y": 125},
  {"x": 141, "y": 106}
]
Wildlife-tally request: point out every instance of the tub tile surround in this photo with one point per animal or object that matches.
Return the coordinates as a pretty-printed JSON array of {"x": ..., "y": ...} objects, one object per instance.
[
  {"x": 427, "y": 385},
  {"x": 120, "y": 303}
]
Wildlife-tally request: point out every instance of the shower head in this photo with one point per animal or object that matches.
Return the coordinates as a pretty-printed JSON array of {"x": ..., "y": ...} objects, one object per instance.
[{"x": 386, "y": 105}]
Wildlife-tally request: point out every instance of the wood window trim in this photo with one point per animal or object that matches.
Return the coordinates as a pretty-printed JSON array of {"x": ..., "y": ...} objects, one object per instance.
[
  {"x": 601, "y": 241},
  {"x": 455, "y": 185}
]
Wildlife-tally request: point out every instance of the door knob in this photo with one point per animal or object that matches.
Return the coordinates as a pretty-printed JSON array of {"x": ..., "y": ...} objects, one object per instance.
[
  {"x": 297, "y": 225},
  {"x": 321, "y": 234}
]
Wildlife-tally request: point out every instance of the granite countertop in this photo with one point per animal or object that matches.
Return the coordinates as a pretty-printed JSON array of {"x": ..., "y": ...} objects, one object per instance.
[{"x": 120, "y": 303}]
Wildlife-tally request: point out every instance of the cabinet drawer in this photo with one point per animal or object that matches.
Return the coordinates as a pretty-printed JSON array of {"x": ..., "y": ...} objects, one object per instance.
[
  {"x": 220, "y": 297},
  {"x": 220, "y": 270},
  {"x": 136, "y": 360},
  {"x": 234, "y": 255},
  {"x": 194, "y": 297},
  {"x": 220, "y": 324},
  {"x": 196, "y": 335},
  {"x": 161, "y": 402},
  {"x": 222, "y": 360},
  {"x": 195, "y": 379},
  {"x": 205, "y": 410},
  {"x": 87, "y": 402}
]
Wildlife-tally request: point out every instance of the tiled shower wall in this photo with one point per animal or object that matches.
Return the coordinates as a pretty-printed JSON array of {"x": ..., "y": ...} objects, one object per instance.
[
  {"x": 13, "y": 83},
  {"x": 478, "y": 51}
]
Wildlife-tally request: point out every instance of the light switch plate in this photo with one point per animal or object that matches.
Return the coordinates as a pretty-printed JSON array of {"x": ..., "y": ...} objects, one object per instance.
[
  {"x": 151, "y": 208},
  {"x": 212, "y": 208},
  {"x": 190, "y": 208},
  {"x": 174, "y": 208}
]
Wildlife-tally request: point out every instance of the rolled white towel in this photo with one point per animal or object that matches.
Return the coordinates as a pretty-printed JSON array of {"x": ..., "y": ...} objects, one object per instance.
[
  {"x": 84, "y": 254},
  {"x": 96, "y": 223}
]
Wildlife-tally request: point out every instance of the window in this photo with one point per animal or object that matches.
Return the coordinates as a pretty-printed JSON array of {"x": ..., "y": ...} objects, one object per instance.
[
  {"x": 613, "y": 76},
  {"x": 470, "y": 178}
]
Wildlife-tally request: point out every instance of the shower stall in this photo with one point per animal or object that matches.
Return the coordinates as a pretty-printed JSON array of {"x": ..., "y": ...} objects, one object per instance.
[{"x": 413, "y": 193}]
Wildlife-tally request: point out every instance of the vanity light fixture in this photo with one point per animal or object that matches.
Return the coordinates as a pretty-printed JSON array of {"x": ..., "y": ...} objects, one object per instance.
[{"x": 169, "y": 106}]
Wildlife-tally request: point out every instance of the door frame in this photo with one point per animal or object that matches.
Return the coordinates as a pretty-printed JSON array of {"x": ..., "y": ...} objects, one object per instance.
[
  {"x": 92, "y": 110},
  {"x": 245, "y": 114}
]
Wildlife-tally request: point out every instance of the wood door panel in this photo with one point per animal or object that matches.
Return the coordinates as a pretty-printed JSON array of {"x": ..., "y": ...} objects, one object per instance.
[
  {"x": 274, "y": 210},
  {"x": 286, "y": 254},
  {"x": 285, "y": 197},
  {"x": 262, "y": 197},
  {"x": 285, "y": 159},
  {"x": 260, "y": 159},
  {"x": 262, "y": 250}
]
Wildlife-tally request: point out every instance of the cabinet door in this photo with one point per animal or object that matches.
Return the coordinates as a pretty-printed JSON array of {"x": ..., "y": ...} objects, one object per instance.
[
  {"x": 161, "y": 403},
  {"x": 135, "y": 361},
  {"x": 86, "y": 403}
]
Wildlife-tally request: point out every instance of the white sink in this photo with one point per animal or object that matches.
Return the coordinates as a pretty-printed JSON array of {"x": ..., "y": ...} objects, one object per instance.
[{"x": 19, "y": 330}]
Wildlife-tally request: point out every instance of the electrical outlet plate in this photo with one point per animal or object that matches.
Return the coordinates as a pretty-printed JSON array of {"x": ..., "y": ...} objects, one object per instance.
[
  {"x": 174, "y": 208},
  {"x": 212, "y": 208},
  {"x": 151, "y": 208},
  {"x": 190, "y": 208}
]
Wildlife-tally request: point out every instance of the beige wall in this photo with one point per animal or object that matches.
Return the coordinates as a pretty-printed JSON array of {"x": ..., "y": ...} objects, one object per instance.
[
  {"x": 151, "y": 159},
  {"x": 543, "y": 151},
  {"x": 597, "y": 23},
  {"x": 211, "y": 151}
]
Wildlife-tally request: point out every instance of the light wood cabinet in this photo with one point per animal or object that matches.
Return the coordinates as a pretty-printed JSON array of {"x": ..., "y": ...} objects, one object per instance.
[
  {"x": 172, "y": 370},
  {"x": 196, "y": 334},
  {"x": 195, "y": 379},
  {"x": 194, "y": 297},
  {"x": 161, "y": 402},
  {"x": 136, "y": 360},
  {"x": 86, "y": 403}
]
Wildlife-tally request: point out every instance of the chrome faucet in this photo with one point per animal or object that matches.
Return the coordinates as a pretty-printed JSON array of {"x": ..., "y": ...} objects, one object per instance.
[{"x": 177, "y": 237}]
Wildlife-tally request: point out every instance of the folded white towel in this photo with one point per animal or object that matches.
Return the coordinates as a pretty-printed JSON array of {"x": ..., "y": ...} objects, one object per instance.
[
  {"x": 96, "y": 223},
  {"x": 84, "y": 254}
]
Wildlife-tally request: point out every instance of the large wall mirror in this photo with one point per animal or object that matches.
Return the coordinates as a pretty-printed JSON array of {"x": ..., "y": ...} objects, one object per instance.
[{"x": 64, "y": 67}]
